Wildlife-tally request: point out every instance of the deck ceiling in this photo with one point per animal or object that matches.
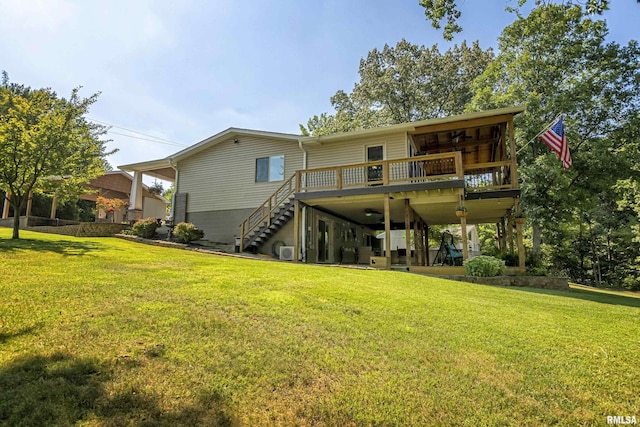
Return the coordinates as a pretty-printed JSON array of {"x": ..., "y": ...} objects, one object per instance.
[
  {"x": 478, "y": 144},
  {"x": 434, "y": 206}
]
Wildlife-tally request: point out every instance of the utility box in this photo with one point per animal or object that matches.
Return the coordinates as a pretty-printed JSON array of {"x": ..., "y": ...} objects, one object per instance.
[{"x": 379, "y": 262}]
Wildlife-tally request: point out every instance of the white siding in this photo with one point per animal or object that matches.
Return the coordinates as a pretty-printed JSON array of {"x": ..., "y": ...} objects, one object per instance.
[
  {"x": 153, "y": 208},
  {"x": 222, "y": 177},
  {"x": 351, "y": 151}
]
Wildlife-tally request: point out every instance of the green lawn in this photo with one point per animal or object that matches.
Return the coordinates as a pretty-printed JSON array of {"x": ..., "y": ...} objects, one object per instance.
[{"x": 110, "y": 332}]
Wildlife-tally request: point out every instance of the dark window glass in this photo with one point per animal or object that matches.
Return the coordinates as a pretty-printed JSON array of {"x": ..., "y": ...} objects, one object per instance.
[{"x": 262, "y": 169}]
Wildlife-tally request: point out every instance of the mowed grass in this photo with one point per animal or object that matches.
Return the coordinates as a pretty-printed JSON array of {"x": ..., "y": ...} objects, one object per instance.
[{"x": 110, "y": 332}]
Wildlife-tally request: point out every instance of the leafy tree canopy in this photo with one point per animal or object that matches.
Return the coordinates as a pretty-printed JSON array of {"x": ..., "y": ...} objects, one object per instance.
[
  {"x": 440, "y": 11},
  {"x": 402, "y": 84},
  {"x": 557, "y": 60},
  {"x": 46, "y": 143}
]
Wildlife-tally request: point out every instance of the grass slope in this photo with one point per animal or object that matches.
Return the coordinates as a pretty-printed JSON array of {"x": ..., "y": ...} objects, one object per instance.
[{"x": 110, "y": 332}]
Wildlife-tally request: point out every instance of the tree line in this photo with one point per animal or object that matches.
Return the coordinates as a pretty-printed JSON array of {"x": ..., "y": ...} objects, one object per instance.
[{"x": 583, "y": 221}]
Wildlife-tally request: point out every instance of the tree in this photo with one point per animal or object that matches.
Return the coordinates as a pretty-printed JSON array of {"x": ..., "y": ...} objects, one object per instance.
[
  {"x": 168, "y": 194},
  {"x": 437, "y": 11},
  {"x": 46, "y": 144},
  {"x": 402, "y": 84},
  {"x": 556, "y": 60}
]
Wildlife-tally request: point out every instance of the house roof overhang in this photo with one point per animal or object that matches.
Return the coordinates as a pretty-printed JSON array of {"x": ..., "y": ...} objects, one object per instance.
[{"x": 161, "y": 168}]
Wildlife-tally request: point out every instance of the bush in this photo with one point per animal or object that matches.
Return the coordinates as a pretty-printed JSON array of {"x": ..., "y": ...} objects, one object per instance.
[
  {"x": 145, "y": 228},
  {"x": 186, "y": 232},
  {"x": 484, "y": 266}
]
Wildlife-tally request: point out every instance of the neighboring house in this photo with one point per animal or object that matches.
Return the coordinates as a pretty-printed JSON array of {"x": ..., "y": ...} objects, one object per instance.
[
  {"x": 329, "y": 196},
  {"x": 117, "y": 185},
  {"x": 112, "y": 185}
]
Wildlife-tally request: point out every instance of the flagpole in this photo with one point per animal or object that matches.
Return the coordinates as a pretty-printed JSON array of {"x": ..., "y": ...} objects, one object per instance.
[{"x": 540, "y": 133}]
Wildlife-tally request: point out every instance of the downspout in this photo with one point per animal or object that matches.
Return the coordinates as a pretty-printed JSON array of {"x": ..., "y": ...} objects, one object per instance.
[
  {"x": 303, "y": 224},
  {"x": 175, "y": 184}
]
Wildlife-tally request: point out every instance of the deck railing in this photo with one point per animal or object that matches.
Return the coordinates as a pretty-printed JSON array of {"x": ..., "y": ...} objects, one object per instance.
[
  {"x": 488, "y": 176},
  {"x": 384, "y": 172}
]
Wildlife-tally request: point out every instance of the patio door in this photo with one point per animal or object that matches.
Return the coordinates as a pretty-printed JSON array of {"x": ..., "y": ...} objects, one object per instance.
[
  {"x": 324, "y": 228},
  {"x": 374, "y": 153}
]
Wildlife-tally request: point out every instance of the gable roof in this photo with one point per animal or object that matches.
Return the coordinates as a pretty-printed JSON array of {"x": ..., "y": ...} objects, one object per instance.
[{"x": 168, "y": 162}]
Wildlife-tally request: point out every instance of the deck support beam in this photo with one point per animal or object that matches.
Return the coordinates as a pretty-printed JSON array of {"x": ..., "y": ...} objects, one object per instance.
[
  {"x": 463, "y": 230},
  {"x": 521, "y": 254},
  {"x": 296, "y": 230},
  {"x": 465, "y": 244},
  {"x": 387, "y": 229},
  {"x": 407, "y": 231},
  {"x": 510, "y": 233}
]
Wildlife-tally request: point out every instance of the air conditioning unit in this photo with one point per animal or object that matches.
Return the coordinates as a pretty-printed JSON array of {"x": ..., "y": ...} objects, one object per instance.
[{"x": 286, "y": 253}]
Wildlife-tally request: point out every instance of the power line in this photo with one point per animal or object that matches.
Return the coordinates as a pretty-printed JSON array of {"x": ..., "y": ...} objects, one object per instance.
[
  {"x": 175, "y": 144},
  {"x": 155, "y": 138}
]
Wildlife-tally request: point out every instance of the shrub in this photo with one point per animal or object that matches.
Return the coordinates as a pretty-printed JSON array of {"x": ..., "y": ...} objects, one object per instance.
[
  {"x": 484, "y": 266},
  {"x": 145, "y": 228},
  {"x": 186, "y": 232}
]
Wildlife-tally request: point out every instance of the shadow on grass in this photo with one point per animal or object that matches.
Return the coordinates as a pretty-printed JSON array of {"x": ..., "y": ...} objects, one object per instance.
[
  {"x": 7, "y": 336},
  {"x": 63, "y": 247},
  {"x": 61, "y": 389},
  {"x": 586, "y": 295}
]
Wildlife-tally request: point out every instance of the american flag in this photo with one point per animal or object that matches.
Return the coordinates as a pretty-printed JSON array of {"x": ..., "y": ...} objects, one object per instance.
[{"x": 555, "y": 139}]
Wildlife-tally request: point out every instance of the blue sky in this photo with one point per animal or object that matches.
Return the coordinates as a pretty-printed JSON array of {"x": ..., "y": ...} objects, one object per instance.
[{"x": 185, "y": 70}]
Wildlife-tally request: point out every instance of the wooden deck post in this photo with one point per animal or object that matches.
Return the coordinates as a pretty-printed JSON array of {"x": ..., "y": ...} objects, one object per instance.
[
  {"x": 426, "y": 244},
  {"x": 425, "y": 249},
  {"x": 512, "y": 148},
  {"x": 387, "y": 229},
  {"x": 297, "y": 186},
  {"x": 510, "y": 234},
  {"x": 465, "y": 245},
  {"x": 385, "y": 172},
  {"x": 296, "y": 230},
  {"x": 416, "y": 239},
  {"x": 5, "y": 206},
  {"x": 520, "y": 237},
  {"x": 407, "y": 231},
  {"x": 459, "y": 165}
]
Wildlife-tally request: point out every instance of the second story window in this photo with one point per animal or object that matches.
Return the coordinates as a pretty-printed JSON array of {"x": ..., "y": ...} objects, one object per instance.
[{"x": 270, "y": 169}]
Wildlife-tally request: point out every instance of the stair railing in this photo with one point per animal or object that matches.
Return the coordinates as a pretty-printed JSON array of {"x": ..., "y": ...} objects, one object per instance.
[{"x": 265, "y": 211}]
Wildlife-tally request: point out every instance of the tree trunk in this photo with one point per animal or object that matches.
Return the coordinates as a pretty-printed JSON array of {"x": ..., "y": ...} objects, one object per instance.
[
  {"x": 18, "y": 203},
  {"x": 537, "y": 238},
  {"x": 16, "y": 222}
]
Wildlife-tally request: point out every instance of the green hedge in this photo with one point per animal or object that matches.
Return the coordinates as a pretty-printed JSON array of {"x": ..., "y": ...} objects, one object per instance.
[
  {"x": 484, "y": 266},
  {"x": 145, "y": 228},
  {"x": 186, "y": 232}
]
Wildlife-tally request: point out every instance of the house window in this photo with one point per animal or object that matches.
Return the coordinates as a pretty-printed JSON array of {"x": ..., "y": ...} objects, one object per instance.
[{"x": 270, "y": 169}]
